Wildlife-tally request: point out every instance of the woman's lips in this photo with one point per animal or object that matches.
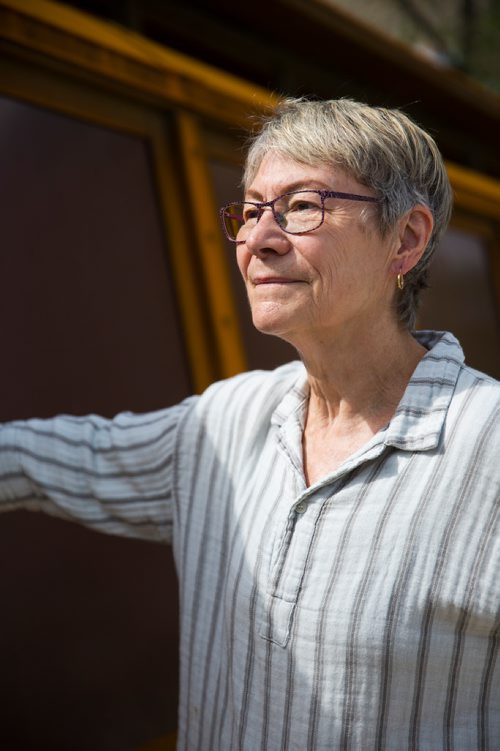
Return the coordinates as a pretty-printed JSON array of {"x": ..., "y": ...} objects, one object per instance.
[{"x": 274, "y": 280}]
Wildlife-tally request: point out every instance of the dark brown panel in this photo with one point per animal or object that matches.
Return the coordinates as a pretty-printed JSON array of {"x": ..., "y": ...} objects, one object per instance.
[
  {"x": 90, "y": 323},
  {"x": 88, "y": 642}
]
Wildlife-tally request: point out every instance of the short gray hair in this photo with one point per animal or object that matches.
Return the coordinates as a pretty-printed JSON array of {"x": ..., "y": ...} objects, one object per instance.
[{"x": 382, "y": 149}]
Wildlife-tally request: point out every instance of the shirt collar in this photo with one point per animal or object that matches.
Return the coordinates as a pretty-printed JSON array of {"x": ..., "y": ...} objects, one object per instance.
[
  {"x": 420, "y": 415},
  {"x": 419, "y": 418}
]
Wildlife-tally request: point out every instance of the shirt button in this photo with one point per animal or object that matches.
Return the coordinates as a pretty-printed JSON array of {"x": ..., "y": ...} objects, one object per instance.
[{"x": 300, "y": 507}]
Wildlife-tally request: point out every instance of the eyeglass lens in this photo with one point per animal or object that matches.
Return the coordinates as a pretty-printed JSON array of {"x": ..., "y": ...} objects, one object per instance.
[{"x": 295, "y": 213}]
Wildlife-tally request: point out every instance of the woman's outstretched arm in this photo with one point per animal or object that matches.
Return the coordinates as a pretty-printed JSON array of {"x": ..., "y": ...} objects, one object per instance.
[{"x": 111, "y": 475}]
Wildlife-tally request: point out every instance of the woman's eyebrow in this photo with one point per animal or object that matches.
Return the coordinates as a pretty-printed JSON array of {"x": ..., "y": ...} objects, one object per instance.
[{"x": 298, "y": 185}]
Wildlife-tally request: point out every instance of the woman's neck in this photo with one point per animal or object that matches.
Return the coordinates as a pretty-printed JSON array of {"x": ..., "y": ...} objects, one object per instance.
[
  {"x": 356, "y": 385},
  {"x": 360, "y": 375}
]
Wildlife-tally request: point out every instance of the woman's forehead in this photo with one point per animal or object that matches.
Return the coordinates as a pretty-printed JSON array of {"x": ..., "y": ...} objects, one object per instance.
[{"x": 278, "y": 174}]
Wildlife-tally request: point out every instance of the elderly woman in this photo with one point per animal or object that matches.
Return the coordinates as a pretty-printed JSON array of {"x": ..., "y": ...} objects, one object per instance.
[{"x": 333, "y": 521}]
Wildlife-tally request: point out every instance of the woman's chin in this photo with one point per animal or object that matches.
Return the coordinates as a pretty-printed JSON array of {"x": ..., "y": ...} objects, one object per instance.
[{"x": 272, "y": 322}]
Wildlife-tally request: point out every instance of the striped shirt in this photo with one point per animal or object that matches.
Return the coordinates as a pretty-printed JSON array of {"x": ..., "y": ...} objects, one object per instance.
[{"x": 358, "y": 613}]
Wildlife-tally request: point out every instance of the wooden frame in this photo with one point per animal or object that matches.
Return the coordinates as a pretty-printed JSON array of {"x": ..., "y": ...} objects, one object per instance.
[
  {"x": 213, "y": 262},
  {"x": 124, "y": 59}
]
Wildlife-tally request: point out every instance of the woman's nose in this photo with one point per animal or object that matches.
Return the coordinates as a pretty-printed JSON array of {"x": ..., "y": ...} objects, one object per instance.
[{"x": 267, "y": 236}]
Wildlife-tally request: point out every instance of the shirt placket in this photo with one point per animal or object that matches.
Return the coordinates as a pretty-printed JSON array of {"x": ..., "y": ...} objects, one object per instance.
[
  {"x": 297, "y": 523},
  {"x": 294, "y": 539},
  {"x": 293, "y": 534}
]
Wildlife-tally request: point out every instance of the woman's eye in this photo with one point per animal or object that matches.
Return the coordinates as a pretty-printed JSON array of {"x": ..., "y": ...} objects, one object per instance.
[
  {"x": 250, "y": 215},
  {"x": 303, "y": 206}
]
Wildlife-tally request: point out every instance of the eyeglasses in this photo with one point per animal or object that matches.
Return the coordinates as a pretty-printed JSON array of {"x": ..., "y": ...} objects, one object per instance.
[{"x": 296, "y": 212}]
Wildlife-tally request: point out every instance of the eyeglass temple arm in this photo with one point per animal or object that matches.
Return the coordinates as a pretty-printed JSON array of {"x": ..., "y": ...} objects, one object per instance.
[{"x": 349, "y": 196}]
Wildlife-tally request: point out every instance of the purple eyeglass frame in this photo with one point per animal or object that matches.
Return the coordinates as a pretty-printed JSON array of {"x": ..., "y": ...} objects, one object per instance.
[{"x": 261, "y": 205}]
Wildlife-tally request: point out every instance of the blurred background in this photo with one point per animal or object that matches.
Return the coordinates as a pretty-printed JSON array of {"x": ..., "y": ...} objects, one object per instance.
[
  {"x": 122, "y": 130},
  {"x": 462, "y": 34}
]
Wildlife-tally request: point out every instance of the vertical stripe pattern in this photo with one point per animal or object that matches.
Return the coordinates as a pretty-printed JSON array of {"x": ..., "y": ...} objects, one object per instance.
[{"x": 359, "y": 613}]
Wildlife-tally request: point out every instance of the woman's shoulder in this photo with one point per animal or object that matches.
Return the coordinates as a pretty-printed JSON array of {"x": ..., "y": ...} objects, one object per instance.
[
  {"x": 282, "y": 377},
  {"x": 250, "y": 397},
  {"x": 486, "y": 385},
  {"x": 447, "y": 361},
  {"x": 240, "y": 409},
  {"x": 476, "y": 405}
]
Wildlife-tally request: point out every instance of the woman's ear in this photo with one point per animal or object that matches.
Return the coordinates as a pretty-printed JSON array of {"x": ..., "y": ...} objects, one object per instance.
[{"x": 414, "y": 232}]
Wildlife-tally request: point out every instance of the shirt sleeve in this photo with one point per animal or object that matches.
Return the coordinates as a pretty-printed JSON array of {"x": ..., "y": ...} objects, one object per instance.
[{"x": 114, "y": 476}]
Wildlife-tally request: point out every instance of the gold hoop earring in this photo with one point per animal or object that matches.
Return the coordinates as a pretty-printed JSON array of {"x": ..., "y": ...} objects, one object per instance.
[{"x": 400, "y": 280}]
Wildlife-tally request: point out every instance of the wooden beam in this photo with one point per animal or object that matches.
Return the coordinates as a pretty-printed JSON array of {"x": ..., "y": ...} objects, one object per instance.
[
  {"x": 117, "y": 55},
  {"x": 213, "y": 253}
]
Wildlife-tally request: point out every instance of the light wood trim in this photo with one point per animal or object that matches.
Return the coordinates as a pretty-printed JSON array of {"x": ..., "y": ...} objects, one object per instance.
[
  {"x": 22, "y": 81},
  {"x": 213, "y": 261},
  {"x": 475, "y": 192},
  {"x": 66, "y": 35},
  {"x": 188, "y": 286}
]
